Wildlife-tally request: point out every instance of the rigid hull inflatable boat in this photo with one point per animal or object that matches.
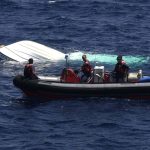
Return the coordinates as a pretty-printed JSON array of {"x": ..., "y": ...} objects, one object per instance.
[{"x": 68, "y": 85}]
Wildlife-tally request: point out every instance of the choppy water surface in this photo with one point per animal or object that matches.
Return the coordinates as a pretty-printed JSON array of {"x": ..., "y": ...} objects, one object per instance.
[{"x": 96, "y": 27}]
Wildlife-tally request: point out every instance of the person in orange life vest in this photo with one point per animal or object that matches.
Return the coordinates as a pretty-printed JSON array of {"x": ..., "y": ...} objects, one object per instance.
[
  {"x": 29, "y": 70},
  {"x": 121, "y": 70},
  {"x": 86, "y": 68}
]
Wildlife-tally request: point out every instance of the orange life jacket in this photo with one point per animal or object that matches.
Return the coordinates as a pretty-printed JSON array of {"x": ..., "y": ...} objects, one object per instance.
[
  {"x": 121, "y": 68},
  {"x": 86, "y": 68},
  {"x": 28, "y": 71},
  {"x": 69, "y": 76}
]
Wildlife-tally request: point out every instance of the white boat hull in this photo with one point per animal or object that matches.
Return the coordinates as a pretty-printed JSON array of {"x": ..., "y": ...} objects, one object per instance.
[{"x": 23, "y": 50}]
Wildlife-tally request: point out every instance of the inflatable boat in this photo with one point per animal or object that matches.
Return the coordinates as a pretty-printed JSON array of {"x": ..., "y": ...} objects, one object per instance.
[{"x": 69, "y": 85}]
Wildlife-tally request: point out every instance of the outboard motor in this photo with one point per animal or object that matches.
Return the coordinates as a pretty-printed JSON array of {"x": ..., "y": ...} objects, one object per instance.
[{"x": 69, "y": 76}]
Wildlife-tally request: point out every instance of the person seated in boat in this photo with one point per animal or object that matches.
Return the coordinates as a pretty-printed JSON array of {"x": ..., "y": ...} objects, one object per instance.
[
  {"x": 86, "y": 69},
  {"x": 29, "y": 70},
  {"x": 121, "y": 70}
]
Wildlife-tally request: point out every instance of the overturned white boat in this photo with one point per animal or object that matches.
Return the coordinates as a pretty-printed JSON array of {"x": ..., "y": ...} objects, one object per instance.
[{"x": 23, "y": 50}]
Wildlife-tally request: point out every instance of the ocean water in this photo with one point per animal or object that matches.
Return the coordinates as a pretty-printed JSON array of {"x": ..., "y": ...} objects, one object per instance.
[{"x": 108, "y": 27}]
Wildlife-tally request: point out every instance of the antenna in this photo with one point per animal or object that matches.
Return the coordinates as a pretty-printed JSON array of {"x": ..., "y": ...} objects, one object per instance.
[{"x": 67, "y": 64}]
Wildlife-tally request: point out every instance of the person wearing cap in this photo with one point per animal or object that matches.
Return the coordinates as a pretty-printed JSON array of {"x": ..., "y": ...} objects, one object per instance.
[
  {"x": 86, "y": 69},
  {"x": 121, "y": 70},
  {"x": 29, "y": 70}
]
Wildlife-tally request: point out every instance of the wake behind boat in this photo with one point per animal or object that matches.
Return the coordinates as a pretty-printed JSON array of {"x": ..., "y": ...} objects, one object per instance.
[{"x": 68, "y": 85}]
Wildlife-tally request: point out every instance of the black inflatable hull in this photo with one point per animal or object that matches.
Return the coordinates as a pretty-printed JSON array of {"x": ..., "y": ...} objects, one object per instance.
[{"x": 55, "y": 90}]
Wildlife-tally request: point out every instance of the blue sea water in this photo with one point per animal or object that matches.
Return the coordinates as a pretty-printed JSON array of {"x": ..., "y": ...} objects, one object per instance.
[{"x": 94, "y": 26}]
